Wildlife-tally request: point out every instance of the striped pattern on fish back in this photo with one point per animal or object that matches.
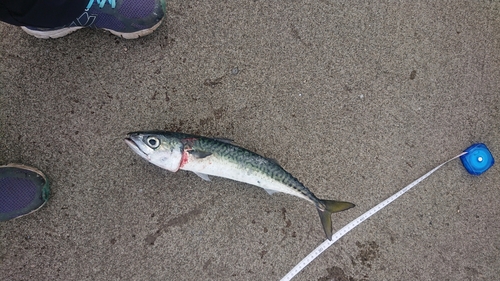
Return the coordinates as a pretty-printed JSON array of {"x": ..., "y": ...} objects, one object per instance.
[{"x": 247, "y": 159}]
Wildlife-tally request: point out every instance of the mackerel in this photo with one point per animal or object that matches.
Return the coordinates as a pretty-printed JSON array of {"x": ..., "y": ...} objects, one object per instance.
[{"x": 220, "y": 157}]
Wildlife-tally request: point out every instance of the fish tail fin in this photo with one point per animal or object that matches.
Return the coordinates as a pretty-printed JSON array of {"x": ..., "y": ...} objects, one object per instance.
[{"x": 331, "y": 206}]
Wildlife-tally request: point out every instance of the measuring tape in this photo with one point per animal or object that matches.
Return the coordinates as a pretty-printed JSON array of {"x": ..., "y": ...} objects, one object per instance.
[{"x": 480, "y": 157}]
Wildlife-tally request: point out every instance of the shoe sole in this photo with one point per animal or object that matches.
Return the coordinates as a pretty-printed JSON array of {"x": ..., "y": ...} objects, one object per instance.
[
  {"x": 137, "y": 34},
  {"x": 53, "y": 34}
]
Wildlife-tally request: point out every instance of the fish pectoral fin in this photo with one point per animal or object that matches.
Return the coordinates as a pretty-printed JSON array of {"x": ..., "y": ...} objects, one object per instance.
[
  {"x": 270, "y": 191},
  {"x": 203, "y": 176},
  {"x": 325, "y": 215},
  {"x": 199, "y": 154}
]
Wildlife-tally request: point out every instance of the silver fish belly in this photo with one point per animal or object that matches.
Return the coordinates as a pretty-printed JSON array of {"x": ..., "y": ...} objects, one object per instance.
[{"x": 208, "y": 156}]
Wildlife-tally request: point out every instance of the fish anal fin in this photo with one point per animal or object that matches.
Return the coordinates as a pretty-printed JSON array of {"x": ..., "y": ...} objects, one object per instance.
[
  {"x": 270, "y": 191},
  {"x": 326, "y": 214},
  {"x": 203, "y": 176}
]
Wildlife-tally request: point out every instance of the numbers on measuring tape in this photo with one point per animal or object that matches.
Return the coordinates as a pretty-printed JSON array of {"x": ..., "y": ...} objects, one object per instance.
[{"x": 344, "y": 230}]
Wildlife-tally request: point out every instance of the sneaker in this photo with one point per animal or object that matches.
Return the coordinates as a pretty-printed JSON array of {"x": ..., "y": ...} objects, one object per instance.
[
  {"x": 23, "y": 190},
  {"x": 129, "y": 19}
]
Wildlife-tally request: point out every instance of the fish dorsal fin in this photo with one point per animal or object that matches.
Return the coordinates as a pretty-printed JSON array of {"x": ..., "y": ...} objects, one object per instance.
[
  {"x": 273, "y": 161},
  {"x": 199, "y": 154},
  {"x": 270, "y": 191},
  {"x": 203, "y": 176},
  {"x": 229, "y": 141}
]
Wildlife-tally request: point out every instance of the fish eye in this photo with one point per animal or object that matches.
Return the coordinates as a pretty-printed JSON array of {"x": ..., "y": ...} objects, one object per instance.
[{"x": 153, "y": 142}]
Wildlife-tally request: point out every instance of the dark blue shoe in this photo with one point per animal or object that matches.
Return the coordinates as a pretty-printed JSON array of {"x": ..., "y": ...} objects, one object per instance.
[
  {"x": 129, "y": 19},
  {"x": 23, "y": 190}
]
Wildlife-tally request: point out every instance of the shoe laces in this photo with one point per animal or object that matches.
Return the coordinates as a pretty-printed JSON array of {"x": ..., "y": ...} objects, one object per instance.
[{"x": 101, "y": 3}]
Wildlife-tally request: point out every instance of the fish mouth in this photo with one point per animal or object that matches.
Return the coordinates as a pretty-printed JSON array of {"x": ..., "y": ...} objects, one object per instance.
[{"x": 136, "y": 148}]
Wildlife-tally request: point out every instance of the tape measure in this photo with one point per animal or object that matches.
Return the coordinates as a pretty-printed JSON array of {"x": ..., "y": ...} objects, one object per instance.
[{"x": 476, "y": 160}]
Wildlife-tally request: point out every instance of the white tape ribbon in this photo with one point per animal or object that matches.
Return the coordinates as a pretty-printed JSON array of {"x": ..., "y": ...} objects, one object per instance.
[{"x": 344, "y": 230}]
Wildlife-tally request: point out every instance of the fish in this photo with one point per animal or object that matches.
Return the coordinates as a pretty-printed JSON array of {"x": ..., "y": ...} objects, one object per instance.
[{"x": 220, "y": 157}]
